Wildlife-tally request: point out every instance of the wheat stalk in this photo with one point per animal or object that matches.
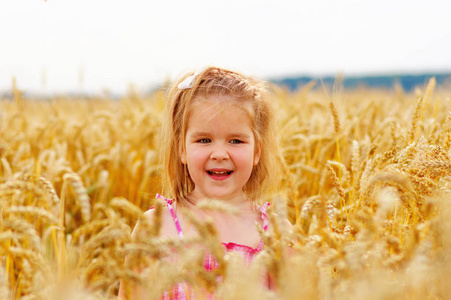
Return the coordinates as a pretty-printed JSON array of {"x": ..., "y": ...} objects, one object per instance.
[{"x": 75, "y": 181}]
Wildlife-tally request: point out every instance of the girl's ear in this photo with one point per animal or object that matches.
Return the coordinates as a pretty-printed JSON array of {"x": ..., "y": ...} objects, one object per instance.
[
  {"x": 258, "y": 153},
  {"x": 183, "y": 156}
]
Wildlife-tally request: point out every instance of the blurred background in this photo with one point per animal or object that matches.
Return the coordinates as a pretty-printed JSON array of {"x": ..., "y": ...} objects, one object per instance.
[{"x": 86, "y": 46}]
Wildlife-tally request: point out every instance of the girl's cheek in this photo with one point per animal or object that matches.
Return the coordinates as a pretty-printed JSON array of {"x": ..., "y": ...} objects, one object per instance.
[{"x": 196, "y": 153}]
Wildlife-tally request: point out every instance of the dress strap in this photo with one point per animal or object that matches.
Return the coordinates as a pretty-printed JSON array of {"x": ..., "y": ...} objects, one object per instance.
[
  {"x": 263, "y": 210},
  {"x": 171, "y": 210}
]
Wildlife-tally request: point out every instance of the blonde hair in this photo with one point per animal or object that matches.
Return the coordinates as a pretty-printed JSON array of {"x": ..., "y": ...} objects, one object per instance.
[{"x": 249, "y": 92}]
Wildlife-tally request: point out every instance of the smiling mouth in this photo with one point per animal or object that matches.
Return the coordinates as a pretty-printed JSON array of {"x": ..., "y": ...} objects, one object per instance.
[{"x": 219, "y": 173}]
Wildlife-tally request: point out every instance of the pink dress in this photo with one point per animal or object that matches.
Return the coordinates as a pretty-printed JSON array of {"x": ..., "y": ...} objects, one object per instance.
[{"x": 179, "y": 291}]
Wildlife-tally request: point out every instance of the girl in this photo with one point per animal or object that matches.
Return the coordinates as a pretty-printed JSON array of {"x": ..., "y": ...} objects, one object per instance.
[{"x": 219, "y": 144}]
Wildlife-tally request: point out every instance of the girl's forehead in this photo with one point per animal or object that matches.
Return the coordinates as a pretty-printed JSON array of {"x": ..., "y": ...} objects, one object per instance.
[
  {"x": 229, "y": 119},
  {"x": 219, "y": 103},
  {"x": 208, "y": 107}
]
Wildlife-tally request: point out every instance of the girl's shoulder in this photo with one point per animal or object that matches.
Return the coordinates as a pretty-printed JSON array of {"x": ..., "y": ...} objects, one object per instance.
[
  {"x": 165, "y": 203},
  {"x": 152, "y": 211},
  {"x": 264, "y": 210},
  {"x": 168, "y": 227}
]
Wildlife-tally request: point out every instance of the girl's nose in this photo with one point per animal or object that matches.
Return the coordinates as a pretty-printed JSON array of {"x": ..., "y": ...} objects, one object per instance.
[{"x": 219, "y": 153}]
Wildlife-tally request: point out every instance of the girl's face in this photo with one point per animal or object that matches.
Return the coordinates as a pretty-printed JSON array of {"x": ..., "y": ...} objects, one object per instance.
[{"x": 220, "y": 148}]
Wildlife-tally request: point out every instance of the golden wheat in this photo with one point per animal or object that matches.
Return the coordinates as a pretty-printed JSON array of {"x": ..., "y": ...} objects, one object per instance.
[{"x": 368, "y": 197}]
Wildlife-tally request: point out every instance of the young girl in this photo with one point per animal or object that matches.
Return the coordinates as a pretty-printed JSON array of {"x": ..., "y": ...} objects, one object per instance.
[{"x": 219, "y": 143}]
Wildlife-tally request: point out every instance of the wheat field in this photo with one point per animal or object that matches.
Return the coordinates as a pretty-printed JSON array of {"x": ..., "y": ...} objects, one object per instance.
[{"x": 366, "y": 186}]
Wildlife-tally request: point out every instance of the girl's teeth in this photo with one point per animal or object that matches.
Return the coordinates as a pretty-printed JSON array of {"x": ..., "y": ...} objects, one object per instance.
[{"x": 219, "y": 173}]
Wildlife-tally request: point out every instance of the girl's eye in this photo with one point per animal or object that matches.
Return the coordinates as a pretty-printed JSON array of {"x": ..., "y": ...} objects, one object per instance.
[
  {"x": 236, "y": 142},
  {"x": 204, "y": 141}
]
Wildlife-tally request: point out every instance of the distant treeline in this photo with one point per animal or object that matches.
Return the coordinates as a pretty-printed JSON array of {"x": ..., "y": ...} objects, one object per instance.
[{"x": 407, "y": 82}]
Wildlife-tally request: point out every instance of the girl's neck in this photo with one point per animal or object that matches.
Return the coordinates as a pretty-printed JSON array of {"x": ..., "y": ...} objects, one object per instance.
[
  {"x": 241, "y": 203},
  {"x": 239, "y": 200}
]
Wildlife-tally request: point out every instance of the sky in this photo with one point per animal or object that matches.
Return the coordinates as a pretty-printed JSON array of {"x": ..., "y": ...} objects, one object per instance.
[{"x": 93, "y": 46}]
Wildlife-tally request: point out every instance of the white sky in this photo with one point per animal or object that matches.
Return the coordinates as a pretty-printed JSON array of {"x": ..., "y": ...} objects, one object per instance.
[{"x": 92, "y": 45}]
